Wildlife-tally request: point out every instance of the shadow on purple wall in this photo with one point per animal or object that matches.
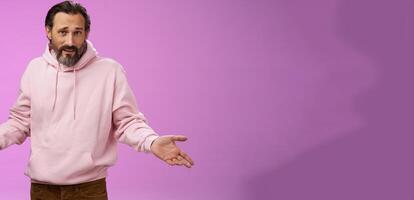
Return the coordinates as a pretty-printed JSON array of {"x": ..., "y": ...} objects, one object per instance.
[{"x": 375, "y": 162}]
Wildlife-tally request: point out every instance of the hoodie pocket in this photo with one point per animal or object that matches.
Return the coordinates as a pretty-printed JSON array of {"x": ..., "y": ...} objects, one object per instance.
[{"x": 59, "y": 167}]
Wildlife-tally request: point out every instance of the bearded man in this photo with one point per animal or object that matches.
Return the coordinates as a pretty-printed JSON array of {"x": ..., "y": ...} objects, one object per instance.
[{"x": 76, "y": 106}]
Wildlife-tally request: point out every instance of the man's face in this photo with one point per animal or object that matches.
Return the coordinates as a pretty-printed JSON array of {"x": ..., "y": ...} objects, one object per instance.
[{"x": 68, "y": 37}]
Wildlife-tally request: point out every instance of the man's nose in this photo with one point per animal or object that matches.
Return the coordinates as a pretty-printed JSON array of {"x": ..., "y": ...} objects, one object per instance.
[{"x": 69, "y": 40}]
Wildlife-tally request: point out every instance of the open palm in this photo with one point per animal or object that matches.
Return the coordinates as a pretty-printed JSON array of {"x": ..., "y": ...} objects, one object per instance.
[{"x": 165, "y": 149}]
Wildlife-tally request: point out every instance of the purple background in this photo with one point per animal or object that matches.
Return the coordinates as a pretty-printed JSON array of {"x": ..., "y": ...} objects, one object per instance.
[{"x": 280, "y": 99}]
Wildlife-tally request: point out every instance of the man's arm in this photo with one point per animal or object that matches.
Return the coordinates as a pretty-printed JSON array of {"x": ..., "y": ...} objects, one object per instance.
[
  {"x": 17, "y": 128},
  {"x": 130, "y": 124},
  {"x": 132, "y": 129}
]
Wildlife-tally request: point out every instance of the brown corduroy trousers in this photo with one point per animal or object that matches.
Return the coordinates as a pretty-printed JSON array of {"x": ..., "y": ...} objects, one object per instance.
[{"x": 94, "y": 190}]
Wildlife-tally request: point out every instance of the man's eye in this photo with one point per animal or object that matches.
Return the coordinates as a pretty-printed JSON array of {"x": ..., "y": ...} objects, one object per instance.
[
  {"x": 78, "y": 32},
  {"x": 62, "y": 32}
]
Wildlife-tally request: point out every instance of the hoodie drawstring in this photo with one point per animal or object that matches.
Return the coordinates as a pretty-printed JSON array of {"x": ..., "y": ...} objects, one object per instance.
[
  {"x": 56, "y": 85},
  {"x": 74, "y": 94}
]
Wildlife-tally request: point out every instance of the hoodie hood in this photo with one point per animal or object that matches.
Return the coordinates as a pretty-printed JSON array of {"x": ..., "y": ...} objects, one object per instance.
[{"x": 50, "y": 57}]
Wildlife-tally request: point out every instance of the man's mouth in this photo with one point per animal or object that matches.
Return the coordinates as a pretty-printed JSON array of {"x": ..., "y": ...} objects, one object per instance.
[{"x": 69, "y": 51}]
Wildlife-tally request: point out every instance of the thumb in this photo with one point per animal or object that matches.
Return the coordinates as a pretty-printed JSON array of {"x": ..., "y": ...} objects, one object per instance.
[{"x": 179, "y": 138}]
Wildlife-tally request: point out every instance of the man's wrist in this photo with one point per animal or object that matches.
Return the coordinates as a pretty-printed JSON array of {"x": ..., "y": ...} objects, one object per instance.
[{"x": 152, "y": 142}]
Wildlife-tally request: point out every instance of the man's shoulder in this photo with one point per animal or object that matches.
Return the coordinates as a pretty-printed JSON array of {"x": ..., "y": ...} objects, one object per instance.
[
  {"x": 36, "y": 61},
  {"x": 109, "y": 63},
  {"x": 106, "y": 61}
]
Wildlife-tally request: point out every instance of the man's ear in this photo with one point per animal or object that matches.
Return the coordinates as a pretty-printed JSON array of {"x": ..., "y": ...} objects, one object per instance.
[
  {"x": 48, "y": 32},
  {"x": 86, "y": 35}
]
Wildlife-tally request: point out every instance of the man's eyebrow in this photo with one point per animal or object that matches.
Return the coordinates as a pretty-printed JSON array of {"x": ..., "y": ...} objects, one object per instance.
[
  {"x": 62, "y": 29},
  {"x": 66, "y": 28}
]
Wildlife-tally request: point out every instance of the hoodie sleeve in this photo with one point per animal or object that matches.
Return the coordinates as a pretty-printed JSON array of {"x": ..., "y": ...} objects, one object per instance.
[
  {"x": 130, "y": 124},
  {"x": 17, "y": 128}
]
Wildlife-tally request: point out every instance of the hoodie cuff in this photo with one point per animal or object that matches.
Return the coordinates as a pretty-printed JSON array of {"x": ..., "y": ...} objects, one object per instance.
[{"x": 148, "y": 142}]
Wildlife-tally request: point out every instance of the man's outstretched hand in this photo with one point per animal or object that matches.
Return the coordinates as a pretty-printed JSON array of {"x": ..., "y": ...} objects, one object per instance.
[{"x": 165, "y": 149}]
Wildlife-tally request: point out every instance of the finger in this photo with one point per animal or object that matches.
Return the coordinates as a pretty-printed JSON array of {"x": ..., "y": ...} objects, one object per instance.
[
  {"x": 180, "y": 158},
  {"x": 170, "y": 162},
  {"x": 183, "y": 162},
  {"x": 170, "y": 157},
  {"x": 187, "y": 164},
  {"x": 183, "y": 154},
  {"x": 180, "y": 138},
  {"x": 178, "y": 162},
  {"x": 174, "y": 160}
]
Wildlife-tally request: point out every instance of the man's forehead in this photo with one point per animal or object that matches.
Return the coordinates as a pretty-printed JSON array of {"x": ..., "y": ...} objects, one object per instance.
[{"x": 64, "y": 20}]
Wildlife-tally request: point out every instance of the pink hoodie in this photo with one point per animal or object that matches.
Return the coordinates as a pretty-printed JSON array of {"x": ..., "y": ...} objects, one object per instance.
[{"x": 75, "y": 116}]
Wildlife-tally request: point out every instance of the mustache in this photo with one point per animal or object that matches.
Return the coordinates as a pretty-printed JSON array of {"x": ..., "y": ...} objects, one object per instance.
[{"x": 69, "y": 48}]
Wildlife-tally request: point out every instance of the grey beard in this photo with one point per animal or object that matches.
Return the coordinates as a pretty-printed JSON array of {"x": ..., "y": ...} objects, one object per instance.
[
  {"x": 72, "y": 60},
  {"x": 69, "y": 61}
]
